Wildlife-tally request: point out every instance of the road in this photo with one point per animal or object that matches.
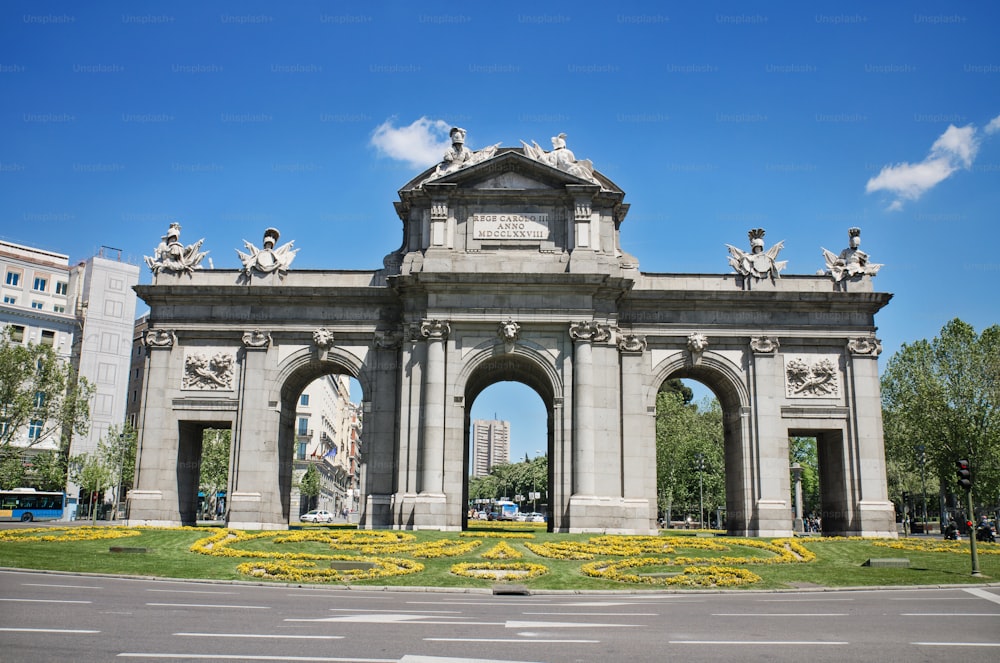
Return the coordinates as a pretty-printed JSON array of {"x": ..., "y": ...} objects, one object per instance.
[{"x": 62, "y": 617}]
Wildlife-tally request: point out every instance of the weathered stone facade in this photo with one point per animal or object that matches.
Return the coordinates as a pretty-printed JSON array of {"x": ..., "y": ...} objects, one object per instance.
[{"x": 511, "y": 269}]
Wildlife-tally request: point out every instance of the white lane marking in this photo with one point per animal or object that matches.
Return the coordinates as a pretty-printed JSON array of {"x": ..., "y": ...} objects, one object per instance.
[
  {"x": 398, "y": 618},
  {"x": 779, "y": 614},
  {"x": 800, "y": 600},
  {"x": 949, "y": 614},
  {"x": 957, "y": 644},
  {"x": 208, "y": 605},
  {"x": 508, "y": 640},
  {"x": 983, "y": 594},
  {"x": 45, "y": 584},
  {"x": 935, "y": 598},
  {"x": 595, "y": 614},
  {"x": 260, "y": 635},
  {"x": 428, "y": 612},
  {"x": 245, "y": 657},
  {"x": 514, "y": 624},
  {"x": 43, "y": 601},
  {"x": 758, "y": 642},
  {"x": 49, "y": 630},
  {"x": 328, "y": 593},
  {"x": 187, "y": 591}
]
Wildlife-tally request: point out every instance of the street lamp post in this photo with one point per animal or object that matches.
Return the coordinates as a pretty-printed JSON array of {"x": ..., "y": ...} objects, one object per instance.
[
  {"x": 797, "y": 479},
  {"x": 701, "y": 490},
  {"x": 923, "y": 487},
  {"x": 121, "y": 470}
]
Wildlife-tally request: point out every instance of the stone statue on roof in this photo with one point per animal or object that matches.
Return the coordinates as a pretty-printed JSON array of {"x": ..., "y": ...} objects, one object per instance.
[
  {"x": 561, "y": 157},
  {"x": 458, "y": 156},
  {"x": 851, "y": 262},
  {"x": 758, "y": 263},
  {"x": 172, "y": 256},
  {"x": 268, "y": 259}
]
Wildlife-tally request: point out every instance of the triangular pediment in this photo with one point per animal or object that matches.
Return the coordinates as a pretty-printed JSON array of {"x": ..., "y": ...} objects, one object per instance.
[{"x": 508, "y": 169}]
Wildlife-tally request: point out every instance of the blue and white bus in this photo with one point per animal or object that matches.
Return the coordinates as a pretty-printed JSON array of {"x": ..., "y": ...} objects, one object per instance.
[{"x": 27, "y": 504}]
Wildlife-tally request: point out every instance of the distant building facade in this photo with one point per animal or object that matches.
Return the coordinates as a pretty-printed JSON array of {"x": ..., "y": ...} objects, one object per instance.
[
  {"x": 323, "y": 438},
  {"x": 491, "y": 445},
  {"x": 85, "y": 312}
]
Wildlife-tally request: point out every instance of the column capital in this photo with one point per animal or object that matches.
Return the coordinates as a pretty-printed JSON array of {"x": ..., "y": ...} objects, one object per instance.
[
  {"x": 159, "y": 338},
  {"x": 631, "y": 343},
  {"x": 865, "y": 345},
  {"x": 256, "y": 339},
  {"x": 436, "y": 330},
  {"x": 589, "y": 331}
]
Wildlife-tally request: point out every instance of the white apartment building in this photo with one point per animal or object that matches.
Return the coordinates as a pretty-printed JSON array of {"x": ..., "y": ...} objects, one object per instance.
[
  {"x": 491, "y": 445},
  {"x": 323, "y": 437},
  {"x": 85, "y": 311}
]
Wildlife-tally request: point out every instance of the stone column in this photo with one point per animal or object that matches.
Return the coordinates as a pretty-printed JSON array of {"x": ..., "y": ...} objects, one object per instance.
[
  {"x": 254, "y": 494},
  {"x": 584, "y": 334},
  {"x": 432, "y": 429},
  {"x": 153, "y": 499}
]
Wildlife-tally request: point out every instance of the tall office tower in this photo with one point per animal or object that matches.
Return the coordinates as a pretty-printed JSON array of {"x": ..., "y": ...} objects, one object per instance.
[{"x": 491, "y": 445}]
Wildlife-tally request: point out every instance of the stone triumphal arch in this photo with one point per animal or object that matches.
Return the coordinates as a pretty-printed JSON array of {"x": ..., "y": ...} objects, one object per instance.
[{"x": 512, "y": 268}]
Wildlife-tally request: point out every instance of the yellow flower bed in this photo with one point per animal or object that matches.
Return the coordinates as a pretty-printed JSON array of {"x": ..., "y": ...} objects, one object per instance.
[
  {"x": 499, "y": 570},
  {"x": 691, "y": 576},
  {"x": 932, "y": 545},
  {"x": 305, "y": 571},
  {"x": 83, "y": 533},
  {"x": 502, "y": 550},
  {"x": 498, "y": 535}
]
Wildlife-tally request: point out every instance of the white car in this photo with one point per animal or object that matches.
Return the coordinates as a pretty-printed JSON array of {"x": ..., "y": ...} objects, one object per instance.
[{"x": 316, "y": 516}]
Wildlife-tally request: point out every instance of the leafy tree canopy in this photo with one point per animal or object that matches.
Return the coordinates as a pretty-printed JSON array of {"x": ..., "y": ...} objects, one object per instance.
[{"x": 939, "y": 403}]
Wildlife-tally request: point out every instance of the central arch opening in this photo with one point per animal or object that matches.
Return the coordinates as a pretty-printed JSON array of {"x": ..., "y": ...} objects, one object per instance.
[
  {"x": 508, "y": 441},
  {"x": 706, "y": 460},
  {"x": 320, "y": 445}
]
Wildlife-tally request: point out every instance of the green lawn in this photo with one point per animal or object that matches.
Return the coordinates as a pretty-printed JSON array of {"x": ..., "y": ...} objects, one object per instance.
[{"x": 838, "y": 562}]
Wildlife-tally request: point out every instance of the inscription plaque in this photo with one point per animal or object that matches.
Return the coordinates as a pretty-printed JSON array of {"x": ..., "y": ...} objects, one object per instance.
[{"x": 531, "y": 227}]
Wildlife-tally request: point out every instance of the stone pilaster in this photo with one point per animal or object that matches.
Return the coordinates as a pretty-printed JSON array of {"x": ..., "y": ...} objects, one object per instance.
[{"x": 433, "y": 415}]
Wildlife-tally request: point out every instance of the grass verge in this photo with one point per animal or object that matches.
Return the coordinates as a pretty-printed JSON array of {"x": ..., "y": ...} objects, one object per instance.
[{"x": 837, "y": 562}]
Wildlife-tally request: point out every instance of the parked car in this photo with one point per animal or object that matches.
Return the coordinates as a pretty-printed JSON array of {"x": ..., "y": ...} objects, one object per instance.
[
  {"x": 536, "y": 518},
  {"x": 316, "y": 516}
]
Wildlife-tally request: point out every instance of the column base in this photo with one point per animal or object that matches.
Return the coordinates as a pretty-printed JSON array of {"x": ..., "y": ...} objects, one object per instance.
[{"x": 609, "y": 515}]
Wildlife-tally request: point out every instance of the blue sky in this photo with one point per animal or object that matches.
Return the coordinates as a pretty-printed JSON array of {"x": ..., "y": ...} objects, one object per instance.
[{"x": 804, "y": 118}]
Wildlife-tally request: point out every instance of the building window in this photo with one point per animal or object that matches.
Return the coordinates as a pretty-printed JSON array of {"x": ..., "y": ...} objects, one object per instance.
[
  {"x": 13, "y": 278},
  {"x": 17, "y": 333},
  {"x": 40, "y": 284},
  {"x": 35, "y": 429},
  {"x": 303, "y": 425},
  {"x": 48, "y": 338},
  {"x": 300, "y": 454},
  {"x": 304, "y": 399},
  {"x": 36, "y": 305},
  {"x": 61, "y": 288},
  {"x": 9, "y": 299},
  {"x": 59, "y": 309}
]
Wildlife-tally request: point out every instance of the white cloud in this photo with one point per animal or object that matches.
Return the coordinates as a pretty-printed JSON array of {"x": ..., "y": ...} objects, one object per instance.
[
  {"x": 953, "y": 150},
  {"x": 420, "y": 144},
  {"x": 994, "y": 125}
]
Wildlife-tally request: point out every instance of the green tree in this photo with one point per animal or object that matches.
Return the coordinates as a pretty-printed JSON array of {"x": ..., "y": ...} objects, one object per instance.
[
  {"x": 93, "y": 473},
  {"x": 802, "y": 450},
  {"x": 48, "y": 471},
  {"x": 309, "y": 484},
  {"x": 942, "y": 396},
  {"x": 117, "y": 451},
  {"x": 690, "y": 463},
  {"x": 41, "y": 396},
  {"x": 214, "y": 464},
  {"x": 13, "y": 474}
]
